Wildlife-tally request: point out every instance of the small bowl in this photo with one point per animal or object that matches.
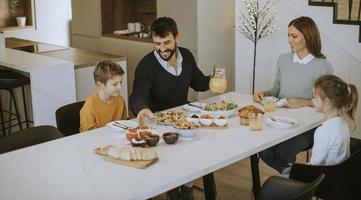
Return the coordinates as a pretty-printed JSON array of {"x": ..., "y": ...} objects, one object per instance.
[
  {"x": 170, "y": 137},
  {"x": 220, "y": 121},
  {"x": 193, "y": 118},
  {"x": 152, "y": 140},
  {"x": 206, "y": 122},
  {"x": 138, "y": 143}
]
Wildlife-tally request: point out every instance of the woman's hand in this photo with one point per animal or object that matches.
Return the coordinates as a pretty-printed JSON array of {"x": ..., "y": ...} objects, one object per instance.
[
  {"x": 297, "y": 103},
  {"x": 258, "y": 97}
]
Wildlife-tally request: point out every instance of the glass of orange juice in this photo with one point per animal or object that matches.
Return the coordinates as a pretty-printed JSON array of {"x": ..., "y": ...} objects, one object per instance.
[
  {"x": 218, "y": 83},
  {"x": 255, "y": 121},
  {"x": 269, "y": 103}
]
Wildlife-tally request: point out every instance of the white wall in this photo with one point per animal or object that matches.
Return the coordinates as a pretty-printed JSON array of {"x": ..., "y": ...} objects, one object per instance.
[
  {"x": 52, "y": 18},
  {"x": 340, "y": 44}
]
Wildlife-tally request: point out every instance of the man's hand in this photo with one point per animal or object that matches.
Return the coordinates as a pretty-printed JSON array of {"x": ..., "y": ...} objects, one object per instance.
[
  {"x": 146, "y": 112},
  {"x": 258, "y": 97}
]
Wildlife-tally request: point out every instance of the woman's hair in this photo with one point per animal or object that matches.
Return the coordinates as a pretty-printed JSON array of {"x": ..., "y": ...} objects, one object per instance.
[
  {"x": 106, "y": 70},
  {"x": 309, "y": 29},
  {"x": 343, "y": 96}
]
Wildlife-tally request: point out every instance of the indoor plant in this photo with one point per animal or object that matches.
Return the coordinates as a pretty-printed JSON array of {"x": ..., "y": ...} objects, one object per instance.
[{"x": 14, "y": 5}]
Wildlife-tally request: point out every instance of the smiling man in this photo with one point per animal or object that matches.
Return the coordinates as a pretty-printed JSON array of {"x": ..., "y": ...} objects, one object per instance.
[{"x": 163, "y": 76}]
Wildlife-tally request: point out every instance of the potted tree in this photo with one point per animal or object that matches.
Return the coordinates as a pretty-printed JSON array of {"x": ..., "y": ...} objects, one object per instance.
[{"x": 14, "y": 5}]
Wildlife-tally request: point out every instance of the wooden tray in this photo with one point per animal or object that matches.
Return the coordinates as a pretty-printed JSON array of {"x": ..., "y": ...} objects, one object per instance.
[
  {"x": 137, "y": 164},
  {"x": 214, "y": 126}
]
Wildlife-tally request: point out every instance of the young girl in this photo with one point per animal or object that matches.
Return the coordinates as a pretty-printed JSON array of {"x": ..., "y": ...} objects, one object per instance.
[{"x": 337, "y": 100}]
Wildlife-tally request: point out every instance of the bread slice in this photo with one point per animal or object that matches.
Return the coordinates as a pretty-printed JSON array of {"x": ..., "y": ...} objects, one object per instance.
[{"x": 127, "y": 153}]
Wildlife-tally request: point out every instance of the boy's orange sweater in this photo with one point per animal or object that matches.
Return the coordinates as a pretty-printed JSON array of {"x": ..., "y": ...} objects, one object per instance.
[{"x": 96, "y": 113}]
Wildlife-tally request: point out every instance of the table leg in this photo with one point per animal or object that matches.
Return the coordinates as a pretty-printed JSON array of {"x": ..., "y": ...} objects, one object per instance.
[
  {"x": 255, "y": 175},
  {"x": 208, "y": 183}
]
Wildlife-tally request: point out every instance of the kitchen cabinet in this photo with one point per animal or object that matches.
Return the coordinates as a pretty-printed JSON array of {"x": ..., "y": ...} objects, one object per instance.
[{"x": 86, "y": 19}]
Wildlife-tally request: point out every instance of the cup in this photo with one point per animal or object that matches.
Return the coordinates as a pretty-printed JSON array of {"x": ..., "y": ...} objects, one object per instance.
[
  {"x": 255, "y": 121},
  {"x": 131, "y": 27},
  {"x": 150, "y": 121},
  {"x": 269, "y": 103},
  {"x": 138, "y": 27}
]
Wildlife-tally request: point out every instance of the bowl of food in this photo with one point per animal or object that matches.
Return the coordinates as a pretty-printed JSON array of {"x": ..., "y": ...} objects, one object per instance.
[
  {"x": 220, "y": 120},
  {"x": 138, "y": 142},
  {"x": 225, "y": 108},
  {"x": 206, "y": 119},
  {"x": 151, "y": 140},
  {"x": 170, "y": 137},
  {"x": 193, "y": 118}
]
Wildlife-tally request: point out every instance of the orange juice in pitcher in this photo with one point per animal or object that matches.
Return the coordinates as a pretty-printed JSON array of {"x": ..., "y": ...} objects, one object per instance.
[{"x": 218, "y": 82}]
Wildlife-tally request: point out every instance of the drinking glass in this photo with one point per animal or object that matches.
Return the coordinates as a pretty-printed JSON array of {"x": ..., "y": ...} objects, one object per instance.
[
  {"x": 269, "y": 103},
  {"x": 150, "y": 121},
  {"x": 255, "y": 121}
]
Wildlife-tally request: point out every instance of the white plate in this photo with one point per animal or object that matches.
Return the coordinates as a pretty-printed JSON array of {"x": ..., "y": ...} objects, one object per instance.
[
  {"x": 280, "y": 122},
  {"x": 114, "y": 127},
  {"x": 226, "y": 113},
  {"x": 190, "y": 108}
]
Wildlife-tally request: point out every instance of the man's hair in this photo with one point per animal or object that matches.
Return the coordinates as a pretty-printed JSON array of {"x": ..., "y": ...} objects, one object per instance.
[
  {"x": 106, "y": 70},
  {"x": 163, "y": 26}
]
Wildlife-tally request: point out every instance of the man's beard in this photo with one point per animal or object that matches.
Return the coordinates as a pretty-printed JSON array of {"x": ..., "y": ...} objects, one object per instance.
[{"x": 172, "y": 51}]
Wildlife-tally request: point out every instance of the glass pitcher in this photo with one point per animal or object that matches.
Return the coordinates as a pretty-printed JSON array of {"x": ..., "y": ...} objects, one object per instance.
[{"x": 218, "y": 82}]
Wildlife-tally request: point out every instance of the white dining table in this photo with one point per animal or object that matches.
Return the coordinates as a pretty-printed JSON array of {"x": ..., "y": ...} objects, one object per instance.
[{"x": 67, "y": 168}]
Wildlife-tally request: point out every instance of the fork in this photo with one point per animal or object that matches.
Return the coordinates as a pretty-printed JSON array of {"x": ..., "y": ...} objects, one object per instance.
[
  {"x": 282, "y": 120},
  {"x": 121, "y": 125}
]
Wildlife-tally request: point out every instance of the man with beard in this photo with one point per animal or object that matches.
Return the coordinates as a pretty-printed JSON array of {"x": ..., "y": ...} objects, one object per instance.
[
  {"x": 162, "y": 80},
  {"x": 163, "y": 76}
]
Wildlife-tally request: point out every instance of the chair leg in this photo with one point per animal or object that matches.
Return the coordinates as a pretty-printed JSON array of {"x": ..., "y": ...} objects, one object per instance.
[
  {"x": 307, "y": 156},
  {"x": 16, "y": 110},
  {"x": 25, "y": 109},
  {"x": 2, "y": 118}
]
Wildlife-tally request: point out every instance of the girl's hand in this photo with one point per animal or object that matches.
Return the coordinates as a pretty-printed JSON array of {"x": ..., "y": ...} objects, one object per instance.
[
  {"x": 258, "y": 97},
  {"x": 297, "y": 103}
]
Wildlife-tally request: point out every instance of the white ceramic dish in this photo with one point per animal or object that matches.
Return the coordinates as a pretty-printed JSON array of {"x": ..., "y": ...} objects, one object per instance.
[
  {"x": 194, "y": 107},
  {"x": 226, "y": 113},
  {"x": 121, "y": 125},
  {"x": 220, "y": 122},
  {"x": 280, "y": 122}
]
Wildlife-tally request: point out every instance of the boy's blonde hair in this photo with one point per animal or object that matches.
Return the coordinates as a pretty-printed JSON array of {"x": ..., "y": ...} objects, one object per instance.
[{"x": 106, "y": 70}]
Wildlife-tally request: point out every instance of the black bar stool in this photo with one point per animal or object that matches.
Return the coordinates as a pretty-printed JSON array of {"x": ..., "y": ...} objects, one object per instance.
[{"x": 9, "y": 81}]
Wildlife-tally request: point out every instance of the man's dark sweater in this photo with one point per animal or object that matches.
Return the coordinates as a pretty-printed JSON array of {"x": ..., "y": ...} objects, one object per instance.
[{"x": 157, "y": 89}]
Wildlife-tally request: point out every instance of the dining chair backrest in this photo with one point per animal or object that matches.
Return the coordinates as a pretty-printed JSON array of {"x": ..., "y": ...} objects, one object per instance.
[
  {"x": 28, "y": 137},
  {"x": 68, "y": 118},
  {"x": 342, "y": 181},
  {"x": 276, "y": 188}
]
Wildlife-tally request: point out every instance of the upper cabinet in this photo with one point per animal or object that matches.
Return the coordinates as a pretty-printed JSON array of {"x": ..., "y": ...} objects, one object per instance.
[
  {"x": 22, "y": 8},
  {"x": 86, "y": 18}
]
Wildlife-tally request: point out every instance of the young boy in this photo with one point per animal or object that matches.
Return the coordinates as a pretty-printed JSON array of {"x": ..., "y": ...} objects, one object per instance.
[{"x": 106, "y": 104}]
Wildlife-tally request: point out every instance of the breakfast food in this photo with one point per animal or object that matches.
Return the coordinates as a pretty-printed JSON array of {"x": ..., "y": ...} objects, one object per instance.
[
  {"x": 137, "y": 133},
  {"x": 127, "y": 153},
  {"x": 245, "y": 111},
  {"x": 185, "y": 125},
  {"x": 170, "y": 117},
  {"x": 220, "y": 106}
]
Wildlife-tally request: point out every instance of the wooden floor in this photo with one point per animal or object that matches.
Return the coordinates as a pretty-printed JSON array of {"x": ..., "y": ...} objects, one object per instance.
[{"x": 235, "y": 182}]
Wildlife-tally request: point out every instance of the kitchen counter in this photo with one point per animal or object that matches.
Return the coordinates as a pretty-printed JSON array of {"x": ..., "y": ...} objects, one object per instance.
[{"x": 81, "y": 58}]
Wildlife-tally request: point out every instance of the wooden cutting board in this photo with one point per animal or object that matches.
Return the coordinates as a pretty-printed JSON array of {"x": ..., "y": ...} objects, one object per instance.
[{"x": 137, "y": 164}]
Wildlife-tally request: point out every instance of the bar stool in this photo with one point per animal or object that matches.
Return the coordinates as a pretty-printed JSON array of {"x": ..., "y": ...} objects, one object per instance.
[{"x": 9, "y": 81}]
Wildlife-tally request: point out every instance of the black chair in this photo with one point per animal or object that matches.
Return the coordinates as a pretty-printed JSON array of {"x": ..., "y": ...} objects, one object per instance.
[
  {"x": 68, "y": 118},
  {"x": 9, "y": 81},
  {"x": 277, "y": 188},
  {"x": 342, "y": 181},
  {"x": 28, "y": 137}
]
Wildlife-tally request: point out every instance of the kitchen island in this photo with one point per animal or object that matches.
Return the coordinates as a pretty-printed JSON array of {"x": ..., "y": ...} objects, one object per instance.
[{"x": 67, "y": 77}]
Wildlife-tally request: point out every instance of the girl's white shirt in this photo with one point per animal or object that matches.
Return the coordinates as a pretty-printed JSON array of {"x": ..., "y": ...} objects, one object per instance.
[{"x": 331, "y": 142}]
